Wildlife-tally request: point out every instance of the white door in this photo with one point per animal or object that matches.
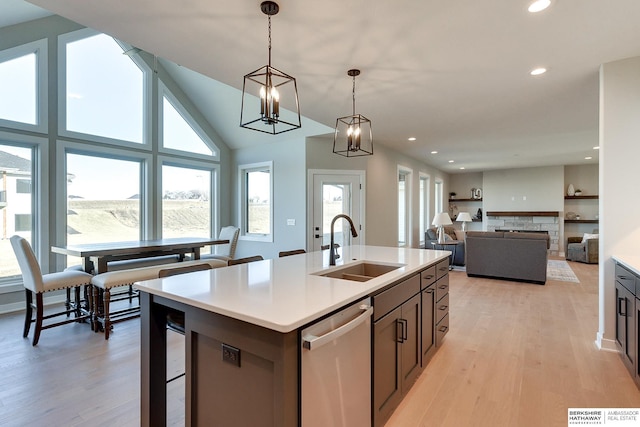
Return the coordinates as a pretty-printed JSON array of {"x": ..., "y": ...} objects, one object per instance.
[{"x": 332, "y": 194}]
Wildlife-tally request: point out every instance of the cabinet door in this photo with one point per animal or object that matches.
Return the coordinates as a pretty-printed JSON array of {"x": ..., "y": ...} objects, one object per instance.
[
  {"x": 386, "y": 366},
  {"x": 625, "y": 326},
  {"x": 428, "y": 336},
  {"x": 410, "y": 347}
]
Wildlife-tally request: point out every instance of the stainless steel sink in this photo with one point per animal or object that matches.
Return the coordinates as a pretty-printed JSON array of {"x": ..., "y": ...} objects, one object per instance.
[{"x": 359, "y": 272}]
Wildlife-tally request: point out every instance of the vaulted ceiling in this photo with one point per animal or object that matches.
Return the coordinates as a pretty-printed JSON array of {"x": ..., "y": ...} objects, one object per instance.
[{"x": 454, "y": 75}]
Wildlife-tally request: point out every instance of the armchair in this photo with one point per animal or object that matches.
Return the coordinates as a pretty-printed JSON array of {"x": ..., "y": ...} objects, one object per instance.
[
  {"x": 583, "y": 249},
  {"x": 431, "y": 235}
]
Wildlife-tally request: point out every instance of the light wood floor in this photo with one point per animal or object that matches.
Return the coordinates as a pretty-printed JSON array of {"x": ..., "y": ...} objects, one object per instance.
[{"x": 516, "y": 355}]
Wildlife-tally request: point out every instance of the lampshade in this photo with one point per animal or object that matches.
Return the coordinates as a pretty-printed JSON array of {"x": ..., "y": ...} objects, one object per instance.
[
  {"x": 353, "y": 136},
  {"x": 464, "y": 217},
  {"x": 441, "y": 219},
  {"x": 270, "y": 96}
]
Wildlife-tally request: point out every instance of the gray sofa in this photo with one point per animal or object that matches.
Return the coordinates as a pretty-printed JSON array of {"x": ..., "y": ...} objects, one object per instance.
[{"x": 508, "y": 255}]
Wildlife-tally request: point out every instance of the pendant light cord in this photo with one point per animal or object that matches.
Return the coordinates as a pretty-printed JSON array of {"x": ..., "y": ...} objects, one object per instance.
[
  {"x": 353, "y": 93},
  {"x": 269, "y": 41}
]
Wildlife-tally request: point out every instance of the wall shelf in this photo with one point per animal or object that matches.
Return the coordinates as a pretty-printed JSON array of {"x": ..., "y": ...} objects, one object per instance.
[
  {"x": 580, "y": 197},
  {"x": 581, "y": 221},
  {"x": 464, "y": 200}
]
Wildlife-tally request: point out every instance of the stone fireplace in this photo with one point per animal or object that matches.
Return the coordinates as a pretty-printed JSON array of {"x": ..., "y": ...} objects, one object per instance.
[{"x": 530, "y": 221}]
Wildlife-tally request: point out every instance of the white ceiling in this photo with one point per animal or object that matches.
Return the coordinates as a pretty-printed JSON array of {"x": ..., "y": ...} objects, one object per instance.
[{"x": 453, "y": 74}]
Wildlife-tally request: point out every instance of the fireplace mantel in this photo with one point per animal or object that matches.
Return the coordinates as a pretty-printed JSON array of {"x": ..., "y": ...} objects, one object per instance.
[{"x": 523, "y": 213}]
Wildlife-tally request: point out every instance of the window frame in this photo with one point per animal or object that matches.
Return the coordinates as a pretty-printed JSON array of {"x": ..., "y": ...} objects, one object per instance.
[
  {"x": 39, "y": 47},
  {"x": 74, "y": 36},
  {"x": 163, "y": 91},
  {"x": 425, "y": 194},
  {"x": 407, "y": 173},
  {"x": 146, "y": 184},
  {"x": 214, "y": 183},
  {"x": 39, "y": 202},
  {"x": 243, "y": 170}
]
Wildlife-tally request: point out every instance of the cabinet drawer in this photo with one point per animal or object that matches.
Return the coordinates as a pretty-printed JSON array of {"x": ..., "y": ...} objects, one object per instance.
[
  {"x": 441, "y": 330},
  {"x": 386, "y": 301},
  {"x": 428, "y": 276},
  {"x": 442, "y": 308},
  {"x": 442, "y": 287},
  {"x": 442, "y": 268},
  {"x": 626, "y": 278}
]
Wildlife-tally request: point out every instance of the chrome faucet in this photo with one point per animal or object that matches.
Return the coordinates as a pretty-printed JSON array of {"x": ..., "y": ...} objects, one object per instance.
[{"x": 332, "y": 249}]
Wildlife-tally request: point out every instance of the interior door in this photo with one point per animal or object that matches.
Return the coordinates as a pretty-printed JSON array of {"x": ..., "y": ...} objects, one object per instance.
[{"x": 335, "y": 194}]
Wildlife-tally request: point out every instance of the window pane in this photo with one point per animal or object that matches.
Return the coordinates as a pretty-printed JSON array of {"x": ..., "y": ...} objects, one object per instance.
[
  {"x": 105, "y": 90},
  {"x": 401, "y": 210},
  {"x": 423, "y": 198},
  {"x": 178, "y": 134},
  {"x": 18, "y": 95},
  {"x": 335, "y": 200},
  {"x": 186, "y": 202},
  {"x": 103, "y": 199},
  {"x": 15, "y": 208},
  {"x": 259, "y": 202}
]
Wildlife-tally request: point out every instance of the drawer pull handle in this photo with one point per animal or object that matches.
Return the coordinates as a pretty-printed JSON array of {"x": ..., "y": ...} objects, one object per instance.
[
  {"x": 444, "y": 328},
  {"x": 430, "y": 291},
  {"x": 620, "y": 312},
  {"x": 443, "y": 286},
  {"x": 399, "y": 334},
  {"x": 431, "y": 276},
  {"x": 443, "y": 307}
]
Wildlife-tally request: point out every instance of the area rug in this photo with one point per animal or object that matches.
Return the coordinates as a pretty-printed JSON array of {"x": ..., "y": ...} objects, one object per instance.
[{"x": 560, "y": 270}]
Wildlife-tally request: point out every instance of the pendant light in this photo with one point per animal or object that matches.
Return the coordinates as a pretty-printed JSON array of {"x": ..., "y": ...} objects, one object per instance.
[
  {"x": 353, "y": 135},
  {"x": 267, "y": 92}
]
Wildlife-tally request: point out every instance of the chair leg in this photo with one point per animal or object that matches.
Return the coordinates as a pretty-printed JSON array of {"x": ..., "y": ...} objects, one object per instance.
[
  {"x": 95, "y": 293},
  {"x": 39, "y": 315},
  {"x": 28, "y": 313},
  {"x": 67, "y": 303},
  {"x": 105, "y": 308}
]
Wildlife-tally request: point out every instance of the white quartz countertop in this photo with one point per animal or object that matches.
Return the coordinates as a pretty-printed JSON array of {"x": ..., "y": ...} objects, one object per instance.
[
  {"x": 283, "y": 294},
  {"x": 632, "y": 262}
]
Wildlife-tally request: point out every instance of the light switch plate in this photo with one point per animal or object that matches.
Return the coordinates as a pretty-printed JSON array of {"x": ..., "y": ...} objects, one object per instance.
[{"x": 291, "y": 222}]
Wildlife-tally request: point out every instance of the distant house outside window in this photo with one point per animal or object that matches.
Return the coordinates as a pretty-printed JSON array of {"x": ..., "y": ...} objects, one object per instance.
[
  {"x": 23, "y": 222},
  {"x": 23, "y": 186}
]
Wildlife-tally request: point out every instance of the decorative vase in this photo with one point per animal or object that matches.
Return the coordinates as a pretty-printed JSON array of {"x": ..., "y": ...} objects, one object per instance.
[{"x": 570, "y": 190}]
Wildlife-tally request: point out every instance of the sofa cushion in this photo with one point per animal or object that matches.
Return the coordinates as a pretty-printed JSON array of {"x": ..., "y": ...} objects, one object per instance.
[{"x": 432, "y": 234}]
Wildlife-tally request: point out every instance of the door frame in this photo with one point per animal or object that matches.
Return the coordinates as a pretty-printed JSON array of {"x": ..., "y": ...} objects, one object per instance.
[{"x": 360, "y": 174}]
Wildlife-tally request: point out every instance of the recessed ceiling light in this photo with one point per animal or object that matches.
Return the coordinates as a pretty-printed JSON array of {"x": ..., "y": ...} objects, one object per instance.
[
  {"x": 539, "y": 5},
  {"x": 461, "y": 167},
  {"x": 538, "y": 71},
  {"x": 413, "y": 138},
  {"x": 434, "y": 152},
  {"x": 451, "y": 161},
  {"x": 597, "y": 147},
  {"x": 588, "y": 158}
]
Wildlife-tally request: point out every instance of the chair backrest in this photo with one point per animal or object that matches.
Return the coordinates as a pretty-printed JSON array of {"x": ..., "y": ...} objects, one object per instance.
[
  {"x": 166, "y": 272},
  {"x": 292, "y": 252},
  {"x": 245, "y": 260},
  {"x": 29, "y": 266},
  {"x": 229, "y": 233}
]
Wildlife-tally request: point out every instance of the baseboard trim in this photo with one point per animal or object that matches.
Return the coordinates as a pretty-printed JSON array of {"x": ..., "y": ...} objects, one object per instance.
[{"x": 605, "y": 344}]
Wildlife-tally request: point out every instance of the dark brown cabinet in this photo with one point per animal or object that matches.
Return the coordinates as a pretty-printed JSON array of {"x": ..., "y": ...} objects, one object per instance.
[
  {"x": 428, "y": 295},
  {"x": 396, "y": 345},
  {"x": 627, "y": 308}
]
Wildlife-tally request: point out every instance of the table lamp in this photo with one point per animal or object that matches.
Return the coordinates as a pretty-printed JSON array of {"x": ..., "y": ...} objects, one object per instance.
[
  {"x": 440, "y": 220},
  {"x": 464, "y": 217}
]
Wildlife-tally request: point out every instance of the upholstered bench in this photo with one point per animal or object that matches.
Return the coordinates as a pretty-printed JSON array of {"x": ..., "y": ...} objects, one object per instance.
[{"x": 103, "y": 283}]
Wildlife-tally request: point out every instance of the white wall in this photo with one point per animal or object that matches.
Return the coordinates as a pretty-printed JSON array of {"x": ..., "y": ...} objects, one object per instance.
[
  {"x": 619, "y": 172},
  {"x": 289, "y": 201}
]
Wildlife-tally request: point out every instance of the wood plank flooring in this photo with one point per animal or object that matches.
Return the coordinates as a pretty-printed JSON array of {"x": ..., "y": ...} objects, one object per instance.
[{"x": 517, "y": 354}]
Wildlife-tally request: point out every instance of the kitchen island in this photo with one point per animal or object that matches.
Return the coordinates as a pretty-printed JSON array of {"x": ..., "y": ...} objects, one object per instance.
[{"x": 242, "y": 328}]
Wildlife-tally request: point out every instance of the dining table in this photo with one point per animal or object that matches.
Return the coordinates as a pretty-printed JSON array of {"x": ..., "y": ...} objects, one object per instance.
[{"x": 96, "y": 256}]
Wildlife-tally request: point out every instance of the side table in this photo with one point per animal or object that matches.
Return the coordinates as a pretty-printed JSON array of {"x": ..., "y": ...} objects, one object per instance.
[{"x": 443, "y": 246}]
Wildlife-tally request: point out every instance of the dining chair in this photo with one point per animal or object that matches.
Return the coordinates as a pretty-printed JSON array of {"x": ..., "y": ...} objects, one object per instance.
[
  {"x": 36, "y": 283},
  {"x": 175, "y": 318},
  {"x": 245, "y": 260},
  {"x": 225, "y": 251},
  {"x": 291, "y": 252}
]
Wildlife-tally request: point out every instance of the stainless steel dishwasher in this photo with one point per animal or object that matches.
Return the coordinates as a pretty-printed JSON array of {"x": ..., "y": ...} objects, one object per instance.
[{"x": 336, "y": 369}]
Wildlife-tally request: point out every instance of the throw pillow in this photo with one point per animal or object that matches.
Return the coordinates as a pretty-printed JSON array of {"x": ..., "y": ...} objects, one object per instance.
[
  {"x": 588, "y": 236},
  {"x": 459, "y": 235},
  {"x": 447, "y": 238},
  {"x": 432, "y": 234}
]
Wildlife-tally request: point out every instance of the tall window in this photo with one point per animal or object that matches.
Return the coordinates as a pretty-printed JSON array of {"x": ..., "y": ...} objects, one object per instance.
[
  {"x": 439, "y": 197},
  {"x": 256, "y": 197},
  {"x": 18, "y": 89},
  {"x": 186, "y": 202},
  {"x": 178, "y": 133},
  {"x": 104, "y": 88},
  {"x": 16, "y": 207},
  {"x": 424, "y": 207},
  {"x": 103, "y": 199},
  {"x": 404, "y": 197}
]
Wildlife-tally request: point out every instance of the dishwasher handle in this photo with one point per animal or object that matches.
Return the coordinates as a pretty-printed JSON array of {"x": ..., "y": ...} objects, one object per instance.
[{"x": 311, "y": 342}]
